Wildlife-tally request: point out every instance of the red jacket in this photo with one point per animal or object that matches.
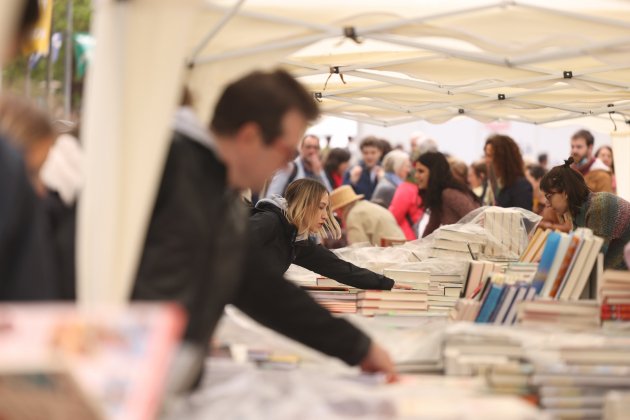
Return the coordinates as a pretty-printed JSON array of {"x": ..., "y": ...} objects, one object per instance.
[{"x": 406, "y": 206}]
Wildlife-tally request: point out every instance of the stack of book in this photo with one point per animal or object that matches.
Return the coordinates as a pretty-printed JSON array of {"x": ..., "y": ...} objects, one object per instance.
[
  {"x": 478, "y": 353},
  {"x": 495, "y": 301},
  {"x": 566, "y": 264},
  {"x": 454, "y": 242},
  {"x": 506, "y": 234},
  {"x": 419, "y": 280},
  {"x": 575, "y": 386},
  {"x": 577, "y": 315},
  {"x": 334, "y": 296},
  {"x": 478, "y": 272},
  {"x": 392, "y": 302},
  {"x": 614, "y": 296},
  {"x": 444, "y": 292}
]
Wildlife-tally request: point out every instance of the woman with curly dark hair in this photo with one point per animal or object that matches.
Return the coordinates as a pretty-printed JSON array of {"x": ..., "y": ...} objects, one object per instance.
[
  {"x": 506, "y": 185},
  {"x": 446, "y": 199},
  {"x": 607, "y": 215}
]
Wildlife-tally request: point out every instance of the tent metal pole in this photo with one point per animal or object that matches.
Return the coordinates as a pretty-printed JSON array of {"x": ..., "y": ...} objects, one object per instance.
[
  {"x": 224, "y": 20},
  {"x": 568, "y": 53},
  {"x": 67, "y": 104},
  {"x": 510, "y": 83},
  {"x": 398, "y": 81},
  {"x": 568, "y": 13},
  {"x": 374, "y": 103},
  {"x": 326, "y": 94},
  {"x": 282, "y": 20},
  {"x": 306, "y": 40},
  {"x": 402, "y": 22},
  {"x": 584, "y": 74},
  {"x": 479, "y": 57}
]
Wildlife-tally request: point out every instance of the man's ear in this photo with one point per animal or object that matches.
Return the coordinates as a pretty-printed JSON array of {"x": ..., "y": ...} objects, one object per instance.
[{"x": 249, "y": 134}]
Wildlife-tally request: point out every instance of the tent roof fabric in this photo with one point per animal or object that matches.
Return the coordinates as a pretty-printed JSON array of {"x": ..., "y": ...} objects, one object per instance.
[{"x": 397, "y": 61}]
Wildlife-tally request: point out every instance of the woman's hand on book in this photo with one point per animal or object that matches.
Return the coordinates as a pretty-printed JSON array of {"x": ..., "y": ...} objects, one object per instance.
[
  {"x": 378, "y": 361},
  {"x": 402, "y": 286}
]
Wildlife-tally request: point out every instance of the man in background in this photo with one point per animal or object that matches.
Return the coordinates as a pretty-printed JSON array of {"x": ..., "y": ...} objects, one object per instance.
[
  {"x": 597, "y": 175},
  {"x": 307, "y": 165},
  {"x": 364, "y": 176}
]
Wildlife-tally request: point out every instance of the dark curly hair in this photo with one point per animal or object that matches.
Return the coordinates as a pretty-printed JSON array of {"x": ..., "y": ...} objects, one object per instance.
[
  {"x": 507, "y": 160},
  {"x": 335, "y": 158},
  {"x": 564, "y": 179},
  {"x": 440, "y": 178}
]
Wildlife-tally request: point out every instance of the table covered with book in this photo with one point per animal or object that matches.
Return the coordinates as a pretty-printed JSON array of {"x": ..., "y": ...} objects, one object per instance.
[{"x": 535, "y": 332}]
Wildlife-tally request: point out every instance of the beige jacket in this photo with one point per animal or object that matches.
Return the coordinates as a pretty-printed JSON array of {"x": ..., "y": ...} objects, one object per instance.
[{"x": 369, "y": 222}]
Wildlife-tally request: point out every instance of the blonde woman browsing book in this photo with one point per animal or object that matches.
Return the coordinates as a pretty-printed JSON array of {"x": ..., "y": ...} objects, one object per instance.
[
  {"x": 285, "y": 232},
  {"x": 607, "y": 215}
]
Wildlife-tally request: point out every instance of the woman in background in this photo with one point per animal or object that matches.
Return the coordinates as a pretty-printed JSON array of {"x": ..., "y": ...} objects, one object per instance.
[
  {"x": 336, "y": 164},
  {"x": 607, "y": 215},
  {"x": 446, "y": 199},
  {"x": 605, "y": 154},
  {"x": 286, "y": 231},
  {"x": 506, "y": 185}
]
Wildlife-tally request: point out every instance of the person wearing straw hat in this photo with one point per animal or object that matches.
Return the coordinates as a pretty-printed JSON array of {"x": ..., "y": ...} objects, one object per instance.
[{"x": 364, "y": 221}]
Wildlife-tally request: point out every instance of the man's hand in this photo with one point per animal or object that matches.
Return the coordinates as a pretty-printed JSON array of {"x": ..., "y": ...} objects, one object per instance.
[
  {"x": 402, "y": 286},
  {"x": 314, "y": 163},
  {"x": 377, "y": 360},
  {"x": 355, "y": 174}
]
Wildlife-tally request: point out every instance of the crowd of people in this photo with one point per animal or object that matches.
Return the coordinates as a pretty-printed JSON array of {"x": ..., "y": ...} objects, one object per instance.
[{"x": 206, "y": 248}]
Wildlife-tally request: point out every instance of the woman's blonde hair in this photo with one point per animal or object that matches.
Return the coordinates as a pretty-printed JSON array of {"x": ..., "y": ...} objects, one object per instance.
[{"x": 303, "y": 197}]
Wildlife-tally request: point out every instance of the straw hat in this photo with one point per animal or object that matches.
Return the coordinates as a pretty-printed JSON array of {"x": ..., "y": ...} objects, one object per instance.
[{"x": 342, "y": 196}]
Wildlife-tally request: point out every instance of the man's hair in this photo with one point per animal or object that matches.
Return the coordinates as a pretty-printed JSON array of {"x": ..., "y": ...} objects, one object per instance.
[
  {"x": 263, "y": 98},
  {"x": 586, "y": 135},
  {"x": 371, "y": 141}
]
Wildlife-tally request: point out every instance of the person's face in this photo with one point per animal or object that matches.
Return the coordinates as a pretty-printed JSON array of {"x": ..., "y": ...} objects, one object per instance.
[
  {"x": 422, "y": 176},
  {"x": 558, "y": 201},
  {"x": 371, "y": 155},
  {"x": 251, "y": 161},
  {"x": 320, "y": 216},
  {"x": 403, "y": 171},
  {"x": 473, "y": 179},
  {"x": 579, "y": 149},
  {"x": 310, "y": 147},
  {"x": 605, "y": 156}
]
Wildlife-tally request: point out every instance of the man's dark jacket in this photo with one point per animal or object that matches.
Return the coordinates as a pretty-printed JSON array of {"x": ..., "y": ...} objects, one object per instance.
[
  {"x": 27, "y": 270},
  {"x": 197, "y": 253},
  {"x": 275, "y": 240}
]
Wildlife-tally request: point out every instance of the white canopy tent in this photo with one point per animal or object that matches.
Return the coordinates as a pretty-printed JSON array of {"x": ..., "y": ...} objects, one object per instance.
[{"x": 382, "y": 62}]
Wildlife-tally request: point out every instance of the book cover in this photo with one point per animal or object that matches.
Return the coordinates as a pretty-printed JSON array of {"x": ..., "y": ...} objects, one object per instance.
[
  {"x": 546, "y": 261},
  {"x": 491, "y": 301}
]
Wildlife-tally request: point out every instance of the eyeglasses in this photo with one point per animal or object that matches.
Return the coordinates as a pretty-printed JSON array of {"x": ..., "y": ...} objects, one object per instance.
[{"x": 549, "y": 195}]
